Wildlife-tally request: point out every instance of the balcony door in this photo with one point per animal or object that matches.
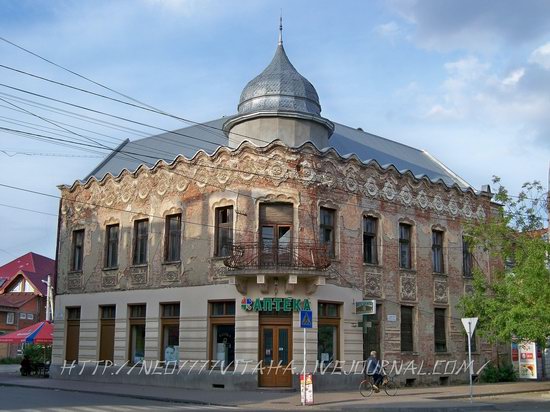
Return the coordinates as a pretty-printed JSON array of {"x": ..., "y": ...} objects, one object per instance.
[{"x": 276, "y": 221}]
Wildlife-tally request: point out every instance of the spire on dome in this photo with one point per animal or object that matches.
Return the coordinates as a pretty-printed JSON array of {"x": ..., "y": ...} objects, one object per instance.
[{"x": 281, "y": 29}]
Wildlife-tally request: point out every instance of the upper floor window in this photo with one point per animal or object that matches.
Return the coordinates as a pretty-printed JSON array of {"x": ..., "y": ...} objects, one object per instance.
[
  {"x": 224, "y": 231},
  {"x": 276, "y": 221},
  {"x": 141, "y": 235},
  {"x": 111, "y": 247},
  {"x": 327, "y": 230},
  {"x": 437, "y": 251},
  {"x": 78, "y": 250},
  {"x": 405, "y": 246},
  {"x": 466, "y": 258},
  {"x": 172, "y": 238},
  {"x": 10, "y": 318},
  {"x": 370, "y": 227}
]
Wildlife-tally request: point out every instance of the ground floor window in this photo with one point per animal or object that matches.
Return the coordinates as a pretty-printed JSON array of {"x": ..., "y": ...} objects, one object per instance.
[
  {"x": 170, "y": 313},
  {"x": 328, "y": 333},
  {"x": 440, "y": 336},
  {"x": 222, "y": 332},
  {"x": 371, "y": 333},
  {"x": 137, "y": 333},
  {"x": 224, "y": 343}
]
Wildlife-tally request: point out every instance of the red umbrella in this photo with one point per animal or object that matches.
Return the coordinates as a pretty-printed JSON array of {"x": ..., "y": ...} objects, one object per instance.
[{"x": 41, "y": 332}]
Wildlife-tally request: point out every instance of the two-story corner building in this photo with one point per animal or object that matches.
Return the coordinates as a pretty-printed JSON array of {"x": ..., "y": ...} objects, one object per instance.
[{"x": 211, "y": 254}]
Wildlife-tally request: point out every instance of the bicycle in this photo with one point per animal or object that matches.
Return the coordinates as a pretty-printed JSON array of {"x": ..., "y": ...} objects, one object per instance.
[{"x": 366, "y": 387}]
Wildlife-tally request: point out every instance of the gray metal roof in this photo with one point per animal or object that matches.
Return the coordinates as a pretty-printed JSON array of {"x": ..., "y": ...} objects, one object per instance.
[
  {"x": 346, "y": 141},
  {"x": 279, "y": 88}
]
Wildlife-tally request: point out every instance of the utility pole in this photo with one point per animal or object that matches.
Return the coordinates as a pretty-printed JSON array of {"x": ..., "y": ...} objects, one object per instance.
[{"x": 49, "y": 299}]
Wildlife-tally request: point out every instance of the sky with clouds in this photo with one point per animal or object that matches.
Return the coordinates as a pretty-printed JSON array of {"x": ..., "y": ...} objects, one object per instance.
[{"x": 468, "y": 81}]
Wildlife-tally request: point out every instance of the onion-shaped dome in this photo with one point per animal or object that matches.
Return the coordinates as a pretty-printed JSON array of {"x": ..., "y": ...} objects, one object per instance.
[{"x": 279, "y": 88}]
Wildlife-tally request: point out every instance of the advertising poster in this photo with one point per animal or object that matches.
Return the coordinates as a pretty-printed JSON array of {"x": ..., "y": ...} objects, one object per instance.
[
  {"x": 306, "y": 388},
  {"x": 527, "y": 360}
]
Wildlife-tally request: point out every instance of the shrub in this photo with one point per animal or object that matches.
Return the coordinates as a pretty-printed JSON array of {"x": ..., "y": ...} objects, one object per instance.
[
  {"x": 493, "y": 374},
  {"x": 38, "y": 353}
]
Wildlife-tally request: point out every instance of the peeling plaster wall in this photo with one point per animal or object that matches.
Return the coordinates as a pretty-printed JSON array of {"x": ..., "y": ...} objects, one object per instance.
[{"x": 309, "y": 179}]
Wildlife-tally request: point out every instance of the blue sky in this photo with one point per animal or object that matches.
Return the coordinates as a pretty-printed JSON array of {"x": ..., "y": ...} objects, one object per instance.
[{"x": 468, "y": 81}]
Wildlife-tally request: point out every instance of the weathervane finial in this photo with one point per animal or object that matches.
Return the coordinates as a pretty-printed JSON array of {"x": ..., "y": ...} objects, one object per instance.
[{"x": 281, "y": 28}]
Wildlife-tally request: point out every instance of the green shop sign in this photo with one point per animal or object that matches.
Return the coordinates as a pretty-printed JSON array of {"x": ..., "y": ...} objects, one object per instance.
[{"x": 275, "y": 304}]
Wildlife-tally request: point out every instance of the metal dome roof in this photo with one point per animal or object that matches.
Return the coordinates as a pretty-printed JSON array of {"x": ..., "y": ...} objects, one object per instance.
[{"x": 279, "y": 88}]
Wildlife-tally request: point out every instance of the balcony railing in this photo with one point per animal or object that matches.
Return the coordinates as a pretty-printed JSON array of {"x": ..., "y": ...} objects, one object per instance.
[{"x": 305, "y": 256}]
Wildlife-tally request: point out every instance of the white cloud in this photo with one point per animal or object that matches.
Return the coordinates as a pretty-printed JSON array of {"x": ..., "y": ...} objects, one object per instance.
[
  {"x": 389, "y": 30},
  {"x": 541, "y": 56},
  {"x": 514, "y": 77},
  {"x": 439, "y": 112}
]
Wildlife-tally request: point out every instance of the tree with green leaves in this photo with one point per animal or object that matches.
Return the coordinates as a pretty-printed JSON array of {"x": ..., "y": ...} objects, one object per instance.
[{"x": 515, "y": 302}]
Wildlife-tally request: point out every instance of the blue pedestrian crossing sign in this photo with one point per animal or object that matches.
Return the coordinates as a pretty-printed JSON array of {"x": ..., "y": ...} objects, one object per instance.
[{"x": 306, "y": 319}]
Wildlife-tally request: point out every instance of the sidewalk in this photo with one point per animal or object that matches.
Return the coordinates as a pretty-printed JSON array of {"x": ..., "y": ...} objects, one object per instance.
[{"x": 454, "y": 397}]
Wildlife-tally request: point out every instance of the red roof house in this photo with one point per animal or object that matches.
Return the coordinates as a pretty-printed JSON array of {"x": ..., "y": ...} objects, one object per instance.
[{"x": 23, "y": 294}]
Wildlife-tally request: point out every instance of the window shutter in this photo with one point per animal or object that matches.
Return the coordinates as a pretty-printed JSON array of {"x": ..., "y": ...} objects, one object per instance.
[{"x": 279, "y": 213}]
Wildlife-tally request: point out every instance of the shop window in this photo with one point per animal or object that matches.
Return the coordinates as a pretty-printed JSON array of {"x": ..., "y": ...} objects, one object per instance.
[
  {"x": 111, "y": 247},
  {"x": 72, "y": 342},
  {"x": 440, "y": 334},
  {"x": 137, "y": 333},
  {"x": 107, "y": 333},
  {"x": 466, "y": 258},
  {"x": 222, "y": 333},
  {"x": 407, "y": 329},
  {"x": 141, "y": 234},
  {"x": 370, "y": 228},
  {"x": 327, "y": 230},
  {"x": 328, "y": 333},
  {"x": 170, "y": 326},
  {"x": 224, "y": 231},
  {"x": 172, "y": 240},
  {"x": 405, "y": 246},
  {"x": 78, "y": 250},
  {"x": 437, "y": 251}
]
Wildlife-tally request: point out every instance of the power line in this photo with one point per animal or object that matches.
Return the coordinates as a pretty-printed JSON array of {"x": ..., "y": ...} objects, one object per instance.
[
  {"x": 27, "y": 210},
  {"x": 122, "y": 118},
  {"x": 40, "y": 154},
  {"x": 140, "y": 105},
  {"x": 448, "y": 218}
]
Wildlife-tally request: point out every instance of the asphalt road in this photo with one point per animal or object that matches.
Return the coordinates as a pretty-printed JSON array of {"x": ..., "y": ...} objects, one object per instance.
[{"x": 19, "y": 399}]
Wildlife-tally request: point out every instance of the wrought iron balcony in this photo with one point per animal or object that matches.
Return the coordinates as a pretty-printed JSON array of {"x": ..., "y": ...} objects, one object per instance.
[{"x": 297, "y": 256}]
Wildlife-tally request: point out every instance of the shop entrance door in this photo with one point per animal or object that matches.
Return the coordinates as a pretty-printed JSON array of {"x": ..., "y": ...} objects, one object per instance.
[{"x": 276, "y": 355}]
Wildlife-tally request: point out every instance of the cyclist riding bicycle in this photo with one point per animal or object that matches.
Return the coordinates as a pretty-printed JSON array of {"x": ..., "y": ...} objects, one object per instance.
[{"x": 374, "y": 369}]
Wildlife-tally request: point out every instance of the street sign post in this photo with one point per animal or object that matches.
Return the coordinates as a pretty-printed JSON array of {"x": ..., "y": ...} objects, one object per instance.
[
  {"x": 470, "y": 325},
  {"x": 306, "y": 322}
]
